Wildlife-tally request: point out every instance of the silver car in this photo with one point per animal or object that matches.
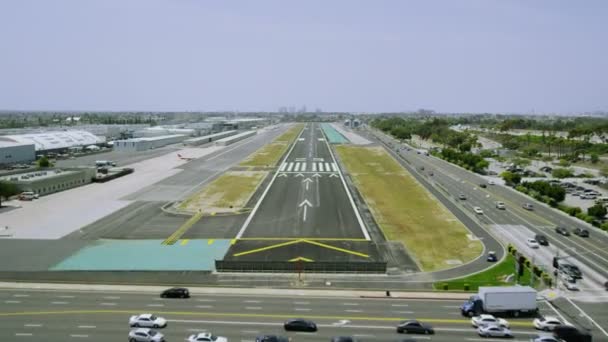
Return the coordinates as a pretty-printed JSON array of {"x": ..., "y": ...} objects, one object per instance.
[
  {"x": 148, "y": 321},
  {"x": 145, "y": 335},
  {"x": 494, "y": 331}
]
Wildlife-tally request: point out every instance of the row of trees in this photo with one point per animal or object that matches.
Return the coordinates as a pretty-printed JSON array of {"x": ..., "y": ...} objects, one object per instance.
[{"x": 467, "y": 160}]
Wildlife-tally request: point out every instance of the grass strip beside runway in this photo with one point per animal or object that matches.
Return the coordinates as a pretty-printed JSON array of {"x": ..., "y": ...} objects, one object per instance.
[
  {"x": 229, "y": 192},
  {"x": 407, "y": 212},
  {"x": 269, "y": 155}
]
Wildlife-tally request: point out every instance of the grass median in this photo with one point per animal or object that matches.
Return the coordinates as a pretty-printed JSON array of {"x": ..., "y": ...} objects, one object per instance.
[
  {"x": 270, "y": 154},
  {"x": 407, "y": 212},
  {"x": 228, "y": 193}
]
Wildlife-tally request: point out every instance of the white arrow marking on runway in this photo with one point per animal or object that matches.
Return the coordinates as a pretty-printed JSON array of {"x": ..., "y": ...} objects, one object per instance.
[
  {"x": 333, "y": 175},
  {"x": 318, "y": 159},
  {"x": 307, "y": 181},
  {"x": 299, "y": 175},
  {"x": 306, "y": 204},
  {"x": 282, "y": 175},
  {"x": 316, "y": 174}
]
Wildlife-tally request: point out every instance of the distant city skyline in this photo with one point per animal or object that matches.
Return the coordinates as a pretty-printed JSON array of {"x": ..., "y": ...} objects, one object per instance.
[{"x": 470, "y": 56}]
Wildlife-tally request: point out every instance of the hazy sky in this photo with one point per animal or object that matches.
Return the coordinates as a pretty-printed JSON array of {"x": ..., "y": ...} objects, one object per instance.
[{"x": 452, "y": 55}]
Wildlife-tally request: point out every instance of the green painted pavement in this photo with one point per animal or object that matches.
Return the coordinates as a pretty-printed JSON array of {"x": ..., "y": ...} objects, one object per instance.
[{"x": 334, "y": 136}]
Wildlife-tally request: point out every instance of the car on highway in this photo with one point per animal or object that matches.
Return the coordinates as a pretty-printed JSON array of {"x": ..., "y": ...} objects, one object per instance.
[
  {"x": 300, "y": 324},
  {"x": 581, "y": 232},
  {"x": 478, "y": 210},
  {"x": 485, "y": 320},
  {"x": 175, "y": 292},
  {"x": 414, "y": 326},
  {"x": 527, "y": 206},
  {"x": 482, "y": 185},
  {"x": 271, "y": 338},
  {"x": 491, "y": 182},
  {"x": 343, "y": 339},
  {"x": 544, "y": 338},
  {"x": 145, "y": 335},
  {"x": 542, "y": 240},
  {"x": 530, "y": 242},
  {"x": 571, "y": 333},
  {"x": 546, "y": 323},
  {"x": 492, "y": 256},
  {"x": 561, "y": 230},
  {"x": 206, "y": 337},
  {"x": 571, "y": 270},
  {"x": 500, "y": 205},
  {"x": 494, "y": 331},
  {"x": 147, "y": 321},
  {"x": 462, "y": 197},
  {"x": 570, "y": 285}
]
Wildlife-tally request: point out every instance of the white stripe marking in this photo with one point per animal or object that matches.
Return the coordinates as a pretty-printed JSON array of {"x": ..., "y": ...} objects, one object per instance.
[
  {"x": 351, "y": 304},
  {"x": 289, "y": 167},
  {"x": 334, "y": 167},
  {"x": 327, "y": 167},
  {"x": 204, "y": 306},
  {"x": 297, "y": 168},
  {"x": 250, "y": 331},
  {"x": 20, "y": 295},
  {"x": 79, "y": 336},
  {"x": 107, "y": 304},
  {"x": 283, "y": 166},
  {"x": 253, "y": 308},
  {"x": 59, "y": 303},
  {"x": 156, "y": 305},
  {"x": 302, "y": 309},
  {"x": 23, "y": 334},
  {"x": 303, "y": 167},
  {"x": 406, "y": 312},
  {"x": 205, "y": 300},
  {"x": 32, "y": 325},
  {"x": 321, "y": 167},
  {"x": 65, "y": 296},
  {"x": 12, "y": 301},
  {"x": 314, "y": 167},
  {"x": 399, "y": 305},
  {"x": 252, "y": 301},
  {"x": 111, "y": 297},
  {"x": 353, "y": 310},
  {"x": 87, "y": 327},
  {"x": 301, "y": 303}
]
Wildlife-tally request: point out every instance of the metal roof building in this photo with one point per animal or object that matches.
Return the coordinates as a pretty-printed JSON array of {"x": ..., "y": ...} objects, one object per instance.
[{"x": 47, "y": 141}]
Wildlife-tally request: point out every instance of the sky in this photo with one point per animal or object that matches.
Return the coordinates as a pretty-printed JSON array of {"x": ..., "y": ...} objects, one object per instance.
[{"x": 545, "y": 56}]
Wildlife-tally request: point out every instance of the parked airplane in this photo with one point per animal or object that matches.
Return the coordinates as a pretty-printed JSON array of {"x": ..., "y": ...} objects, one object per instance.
[{"x": 184, "y": 158}]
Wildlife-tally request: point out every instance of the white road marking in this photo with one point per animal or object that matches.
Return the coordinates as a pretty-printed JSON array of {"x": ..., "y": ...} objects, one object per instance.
[
  {"x": 79, "y": 336},
  {"x": 156, "y": 305},
  {"x": 451, "y": 306},
  {"x": 321, "y": 167},
  {"x": 21, "y": 295},
  {"x": 327, "y": 167},
  {"x": 306, "y": 333},
  {"x": 86, "y": 327},
  {"x": 66, "y": 296},
  {"x": 196, "y": 330},
  {"x": 32, "y": 325},
  {"x": 301, "y": 303},
  {"x": 352, "y": 304},
  {"x": 303, "y": 169},
  {"x": 204, "y": 306},
  {"x": 314, "y": 167},
  {"x": 253, "y": 308},
  {"x": 353, "y": 310},
  {"x": 205, "y": 300},
  {"x": 252, "y": 301},
  {"x": 250, "y": 331},
  {"x": 304, "y": 216},
  {"x": 59, "y": 303},
  {"x": 297, "y": 168},
  {"x": 12, "y": 301},
  {"x": 290, "y": 167},
  {"x": 404, "y": 312},
  {"x": 107, "y": 304},
  {"x": 399, "y": 305},
  {"x": 334, "y": 167},
  {"x": 23, "y": 334},
  {"x": 364, "y": 335},
  {"x": 302, "y": 309},
  {"x": 111, "y": 297},
  {"x": 283, "y": 166}
]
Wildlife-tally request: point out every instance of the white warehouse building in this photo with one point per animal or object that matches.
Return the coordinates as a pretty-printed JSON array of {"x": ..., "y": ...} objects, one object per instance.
[{"x": 142, "y": 144}]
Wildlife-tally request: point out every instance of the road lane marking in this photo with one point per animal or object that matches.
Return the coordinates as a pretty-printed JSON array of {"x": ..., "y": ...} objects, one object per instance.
[
  {"x": 321, "y": 167},
  {"x": 352, "y": 304},
  {"x": 404, "y": 312},
  {"x": 301, "y": 303},
  {"x": 250, "y": 331},
  {"x": 59, "y": 303},
  {"x": 86, "y": 327},
  {"x": 290, "y": 167},
  {"x": 302, "y": 309},
  {"x": 253, "y": 308},
  {"x": 314, "y": 167},
  {"x": 66, "y": 296},
  {"x": 205, "y": 300},
  {"x": 156, "y": 305},
  {"x": 297, "y": 168},
  {"x": 12, "y": 301},
  {"x": 303, "y": 169},
  {"x": 204, "y": 306},
  {"x": 111, "y": 297},
  {"x": 79, "y": 336},
  {"x": 252, "y": 301},
  {"x": 399, "y": 305},
  {"x": 327, "y": 167},
  {"x": 21, "y": 295},
  {"x": 107, "y": 304},
  {"x": 364, "y": 335},
  {"x": 24, "y": 334},
  {"x": 334, "y": 167},
  {"x": 351, "y": 310},
  {"x": 283, "y": 166},
  {"x": 451, "y": 306},
  {"x": 306, "y": 333},
  {"x": 32, "y": 325}
]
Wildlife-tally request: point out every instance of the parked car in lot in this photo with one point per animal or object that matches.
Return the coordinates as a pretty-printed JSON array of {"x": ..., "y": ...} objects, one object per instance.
[
  {"x": 528, "y": 206},
  {"x": 561, "y": 230},
  {"x": 500, "y": 205},
  {"x": 542, "y": 240},
  {"x": 530, "y": 242},
  {"x": 147, "y": 320},
  {"x": 300, "y": 324},
  {"x": 176, "y": 292},
  {"x": 206, "y": 337},
  {"x": 546, "y": 323},
  {"x": 485, "y": 320},
  {"x": 145, "y": 335},
  {"x": 494, "y": 331},
  {"x": 28, "y": 196},
  {"x": 478, "y": 210},
  {"x": 581, "y": 232},
  {"x": 414, "y": 326}
]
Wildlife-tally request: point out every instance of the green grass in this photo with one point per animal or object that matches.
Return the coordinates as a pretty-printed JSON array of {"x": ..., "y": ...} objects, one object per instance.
[
  {"x": 270, "y": 154},
  {"x": 229, "y": 192},
  {"x": 406, "y": 212},
  {"x": 494, "y": 276}
]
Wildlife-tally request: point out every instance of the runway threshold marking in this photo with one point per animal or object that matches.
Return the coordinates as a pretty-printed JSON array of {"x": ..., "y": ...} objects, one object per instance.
[
  {"x": 302, "y": 238},
  {"x": 267, "y": 248},
  {"x": 301, "y": 259},
  {"x": 315, "y": 243},
  {"x": 183, "y": 229}
]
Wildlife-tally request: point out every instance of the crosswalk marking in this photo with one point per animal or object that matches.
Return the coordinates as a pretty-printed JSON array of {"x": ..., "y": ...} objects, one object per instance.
[
  {"x": 283, "y": 167},
  {"x": 327, "y": 167},
  {"x": 289, "y": 167},
  {"x": 303, "y": 169},
  {"x": 314, "y": 167},
  {"x": 297, "y": 168},
  {"x": 321, "y": 167},
  {"x": 334, "y": 167}
]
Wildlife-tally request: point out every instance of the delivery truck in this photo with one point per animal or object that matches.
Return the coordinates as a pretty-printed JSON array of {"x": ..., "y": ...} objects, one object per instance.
[{"x": 506, "y": 300}]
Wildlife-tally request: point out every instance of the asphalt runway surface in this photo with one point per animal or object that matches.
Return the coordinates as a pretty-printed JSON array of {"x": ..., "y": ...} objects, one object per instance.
[{"x": 103, "y": 316}]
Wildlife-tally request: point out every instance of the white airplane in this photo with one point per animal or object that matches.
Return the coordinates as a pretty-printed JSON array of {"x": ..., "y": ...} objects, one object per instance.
[{"x": 184, "y": 158}]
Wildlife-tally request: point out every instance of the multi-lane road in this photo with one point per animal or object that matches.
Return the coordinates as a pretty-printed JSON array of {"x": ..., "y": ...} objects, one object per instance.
[{"x": 32, "y": 315}]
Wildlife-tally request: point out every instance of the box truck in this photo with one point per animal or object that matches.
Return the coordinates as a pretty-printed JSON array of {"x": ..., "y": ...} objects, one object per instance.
[{"x": 507, "y": 300}]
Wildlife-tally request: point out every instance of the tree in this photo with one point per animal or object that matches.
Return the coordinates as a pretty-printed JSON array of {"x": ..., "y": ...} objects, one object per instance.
[
  {"x": 511, "y": 178},
  {"x": 561, "y": 173},
  {"x": 44, "y": 162},
  {"x": 598, "y": 211},
  {"x": 594, "y": 158},
  {"x": 7, "y": 190}
]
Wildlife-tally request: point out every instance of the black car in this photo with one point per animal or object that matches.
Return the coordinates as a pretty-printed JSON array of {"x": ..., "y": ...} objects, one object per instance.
[
  {"x": 300, "y": 324},
  {"x": 563, "y": 231},
  {"x": 492, "y": 257},
  {"x": 581, "y": 232},
  {"x": 569, "y": 333},
  {"x": 541, "y": 239},
  {"x": 482, "y": 185},
  {"x": 271, "y": 338},
  {"x": 416, "y": 327},
  {"x": 462, "y": 197},
  {"x": 176, "y": 292},
  {"x": 343, "y": 339},
  {"x": 571, "y": 270}
]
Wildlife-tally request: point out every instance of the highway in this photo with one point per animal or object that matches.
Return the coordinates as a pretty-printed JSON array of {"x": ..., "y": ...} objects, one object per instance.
[{"x": 33, "y": 315}]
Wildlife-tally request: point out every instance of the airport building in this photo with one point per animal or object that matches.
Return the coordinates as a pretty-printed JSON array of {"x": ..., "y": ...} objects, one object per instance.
[
  {"x": 55, "y": 141},
  {"x": 232, "y": 139},
  {"x": 48, "y": 181},
  {"x": 142, "y": 144},
  {"x": 14, "y": 152},
  {"x": 208, "y": 138}
]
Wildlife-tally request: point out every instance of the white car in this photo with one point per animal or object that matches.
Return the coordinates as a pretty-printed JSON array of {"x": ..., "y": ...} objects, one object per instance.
[
  {"x": 206, "y": 337},
  {"x": 500, "y": 205},
  {"x": 485, "y": 320},
  {"x": 546, "y": 323},
  {"x": 545, "y": 338},
  {"x": 491, "y": 182},
  {"x": 145, "y": 335},
  {"x": 147, "y": 321},
  {"x": 532, "y": 243},
  {"x": 494, "y": 331},
  {"x": 478, "y": 210},
  {"x": 570, "y": 285}
]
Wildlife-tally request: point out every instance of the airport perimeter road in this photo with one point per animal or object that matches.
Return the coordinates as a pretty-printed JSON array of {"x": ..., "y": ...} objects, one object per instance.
[
  {"x": 103, "y": 316},
  {"x": 593, "y": 252},
  {"x": 307, "y": 197}
]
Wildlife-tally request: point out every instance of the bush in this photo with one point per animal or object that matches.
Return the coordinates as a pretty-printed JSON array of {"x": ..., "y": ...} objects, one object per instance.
[
  {"x": 44, "y": 162},
  {"x": 511, "y": 178},
  {"x": 594, "y": 158},
  {"x": 564, "y": 162},
  {"x": 522, "y": 188},
  {"x": 604, "y": 226},
  {"x": 597, "y": 211},
  {"x": 562, "y": 173}
]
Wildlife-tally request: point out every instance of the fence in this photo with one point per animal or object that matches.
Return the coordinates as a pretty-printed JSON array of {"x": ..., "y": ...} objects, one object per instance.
[{"x": 308, "y": 267}]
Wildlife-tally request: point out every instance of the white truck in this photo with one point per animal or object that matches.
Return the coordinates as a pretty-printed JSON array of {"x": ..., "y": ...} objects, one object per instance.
[{"x": 510, "y": 300}]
